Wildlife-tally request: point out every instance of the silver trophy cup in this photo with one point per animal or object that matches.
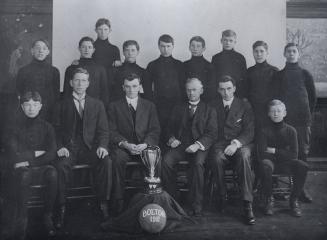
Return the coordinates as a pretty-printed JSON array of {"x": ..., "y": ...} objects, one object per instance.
[{"x": 150, "y": 158}]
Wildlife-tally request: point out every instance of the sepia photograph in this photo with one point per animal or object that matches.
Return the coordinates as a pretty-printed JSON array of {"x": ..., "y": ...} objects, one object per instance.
[{"x": 163, "y": 119}]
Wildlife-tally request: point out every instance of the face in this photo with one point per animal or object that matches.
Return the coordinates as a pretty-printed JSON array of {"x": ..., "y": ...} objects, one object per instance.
[
  {"x": 228, "y": 42},
  {"x": 31, "y": 108},
  {"x": 86, "y": 49},
  {"x": 80, "y": 83},
  {"x": 292, "y": 54},
  {"x": 130, "y": 53},
  {"x": 194, "y": 90},
  {"x": 103, "y": 31},
  {"x": 277, "y": 113},
  {"x": 40, "y": 51},
  {"x": 226, "y": 90},
  {"x": 196, "y": 48},
  {"x": 260, "y": 54},
  {"x": 166, "y": 49},
  {"x": 132, "y": 88}
]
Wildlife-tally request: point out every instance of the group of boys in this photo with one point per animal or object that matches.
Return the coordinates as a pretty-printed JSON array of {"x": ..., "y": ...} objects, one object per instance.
[{"x": 214, "y": 113}]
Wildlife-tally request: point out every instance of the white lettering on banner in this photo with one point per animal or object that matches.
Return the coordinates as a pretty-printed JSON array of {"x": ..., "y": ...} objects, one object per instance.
[{"x": 154, "y": 212}]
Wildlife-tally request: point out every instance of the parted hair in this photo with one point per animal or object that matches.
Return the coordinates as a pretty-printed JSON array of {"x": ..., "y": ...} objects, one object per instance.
[
  {"x": 226, "y": 78},
  {"x": 130, "y": 43},
  {"x": 27, "y": 96},
  {"x": 166, "y": 38},
  {"x": 86, "y": 39},
  {"x": 198, "y": 39},
  {"x": 79, "y": 70},
  {"x": 102, "y": 21},
  {"x": 260, "y": 43}
]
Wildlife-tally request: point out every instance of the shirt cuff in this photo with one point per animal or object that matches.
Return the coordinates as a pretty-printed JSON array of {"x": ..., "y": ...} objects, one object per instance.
[
  {"x": 121, "y": 142},
  {"x": 201, "y": 146},
  {"x": 237, "y": 142}
]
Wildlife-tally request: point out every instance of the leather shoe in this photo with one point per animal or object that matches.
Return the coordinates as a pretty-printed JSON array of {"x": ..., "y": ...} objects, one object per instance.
[
  {"x": 269, "y": 201},
  {"x": 248, "y": 213},
  {"x": 305, "y": 197},
  {"x": 51, "y": 231},
  {"x": 61, "y": 217},
  {"x": 295, "y": 208}
]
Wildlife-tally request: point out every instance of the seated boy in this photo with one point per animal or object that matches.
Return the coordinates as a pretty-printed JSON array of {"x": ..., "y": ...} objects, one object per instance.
[
  {"x": 229, "y": 62},
  {"x": 165, "y": 83},
  {"x": 278, "y": 151},
  {"x": 200, "y": 68},
  {"x": 98, "y": 82},
  {"x": 258, "y": 83},
  {"x": 82, "y": 136},
  {"x": 130, "y": 50},
  {"x": 40, "y": 76},
  {"x": 31, "y": 147},
  {"x": 133, "y": 125}
]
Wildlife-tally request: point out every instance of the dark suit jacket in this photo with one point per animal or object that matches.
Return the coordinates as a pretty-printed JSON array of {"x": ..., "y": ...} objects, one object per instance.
[
  {"x": 239, "y": 123},
  {"x": 95, "y": 123},
  {"x": 204, "y": 125},
  {"x": 121, "y": 125}
]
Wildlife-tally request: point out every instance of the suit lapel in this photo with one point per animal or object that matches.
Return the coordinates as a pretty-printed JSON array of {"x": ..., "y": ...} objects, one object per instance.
[
  {"x": 184, "y": 116},
  {"x": 139, "y": 111},
  {"x": 86, "y": 112},
  {"x": 198, "y": 113},
  {"x": 233, "y": 109},
  {"x": 126, "y": 111}
]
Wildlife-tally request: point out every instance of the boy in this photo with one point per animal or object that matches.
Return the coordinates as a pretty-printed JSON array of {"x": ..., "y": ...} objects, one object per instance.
[
  {"x": 130, "y": 50},
  {"x": 31, "y": 148},
  {"x": 133, "y": 125},
  {"x": 229, "y": 62},
  {"x": 82, "y": 136},
  {"x": 278, "y": 149},
  {"x": 295, "y": 87},
  {"x": 258, "y": 82},
  {"x": 199, "y": 67},
  {"x": 40, "y": 76},
  {"x": 165, "y": 83},
  {"x": 98, "y": 77}
]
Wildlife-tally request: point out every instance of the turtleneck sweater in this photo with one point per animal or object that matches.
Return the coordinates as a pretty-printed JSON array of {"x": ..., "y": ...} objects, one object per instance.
[
  {"x": 295, "y": 87},
  {"x": 282, "y": 137},
  {"x": 200, "y": 68},
  {"x": 98, "y": 87},
  {"x": 44, "y": 78},
  {"x": 105, "y": 53},
  {"x": 167, "y": 76},
  {"x": 232, "y": 63},
  {"x": 29, "y": 135}
]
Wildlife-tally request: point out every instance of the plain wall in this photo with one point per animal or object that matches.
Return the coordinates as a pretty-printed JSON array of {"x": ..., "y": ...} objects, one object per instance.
[{"x": 145, "y": 20}]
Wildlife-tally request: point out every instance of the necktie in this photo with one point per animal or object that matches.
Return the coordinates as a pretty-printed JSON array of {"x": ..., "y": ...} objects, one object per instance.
[
  {"x": 226, "y": 110},
  {"x": 80, "y": 106},
  {"x": 192, "y": 108},
  {"x": 133, "y": 111}
]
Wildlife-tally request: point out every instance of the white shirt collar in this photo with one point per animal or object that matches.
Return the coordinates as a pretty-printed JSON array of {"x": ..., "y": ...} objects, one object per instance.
[
  {"x": 228, "y": 103},
  {"x": 78, "y": 97},
  {"x": 194, "y": 103},
  {"x": 132, "y": 101}
]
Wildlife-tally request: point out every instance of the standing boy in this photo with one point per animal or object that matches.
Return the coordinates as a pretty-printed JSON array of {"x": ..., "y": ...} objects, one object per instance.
[
  {"x": 98, "y": 77},
  {"x": 229, "y": 62},
  {"x": 42, "y": 77},
  {"x": 278, "y": 152},
  {"x": 165, "y": 85},
  {"x": 130, "y": 50},
  {"x": 295, "y": 87},
  {"x": 258, "y": 83},
  {"x": 31, "y": 147},
  {"x": 82, "y": 137},
  {"x": 200, "y": 68}
]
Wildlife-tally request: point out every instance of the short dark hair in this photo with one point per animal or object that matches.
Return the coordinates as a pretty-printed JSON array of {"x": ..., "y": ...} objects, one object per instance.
[
  {"x": 198, "y": 39},
  {"x": 131, "y": 77},
  {"x": 102, "y": 21},
  {"x": 291, "y": 44},
  {"x": 79, "y": 70},
  {"x": 228, "y": 33},
  {"x": 166, "y": 38},
  {"x": 260, "y": 43},
  {"x": 130, "y": 43},
  {"x": 85, "y": 39},
  {"x": 27, "y": 96},
  {"x": 226, "y": 78},
  {"x": 40, "y": 40}
]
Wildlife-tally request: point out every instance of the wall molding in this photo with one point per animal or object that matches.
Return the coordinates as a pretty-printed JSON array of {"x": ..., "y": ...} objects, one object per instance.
[{"x": 306, "y": 10}]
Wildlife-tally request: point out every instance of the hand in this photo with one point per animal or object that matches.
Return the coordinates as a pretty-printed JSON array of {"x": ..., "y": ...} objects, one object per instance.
[
  {"x": 39, "y": 153},
  {"x": 130, "y": 147},
  {"x": 271, "y": 150},
  {"x": 117, "y": 63},
  {"x": 141, "y": 147},
  {"x": 102, "y": 152},
  {"x": 230, "y": 149},
  {"x": 63, "y": 152},
  {"x": 21, "y": 164},
  {"x": 173, "y": 142},
  {"x": 192, "y": 148},
  {"x": 75, "y": 62}
]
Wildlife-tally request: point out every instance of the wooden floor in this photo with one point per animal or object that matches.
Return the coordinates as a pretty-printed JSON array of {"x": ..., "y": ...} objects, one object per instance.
[{"x": 83, "y": 221}]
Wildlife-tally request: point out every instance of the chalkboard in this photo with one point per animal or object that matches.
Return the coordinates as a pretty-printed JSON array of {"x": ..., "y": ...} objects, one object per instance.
[{"x": 311, "y": 36}]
